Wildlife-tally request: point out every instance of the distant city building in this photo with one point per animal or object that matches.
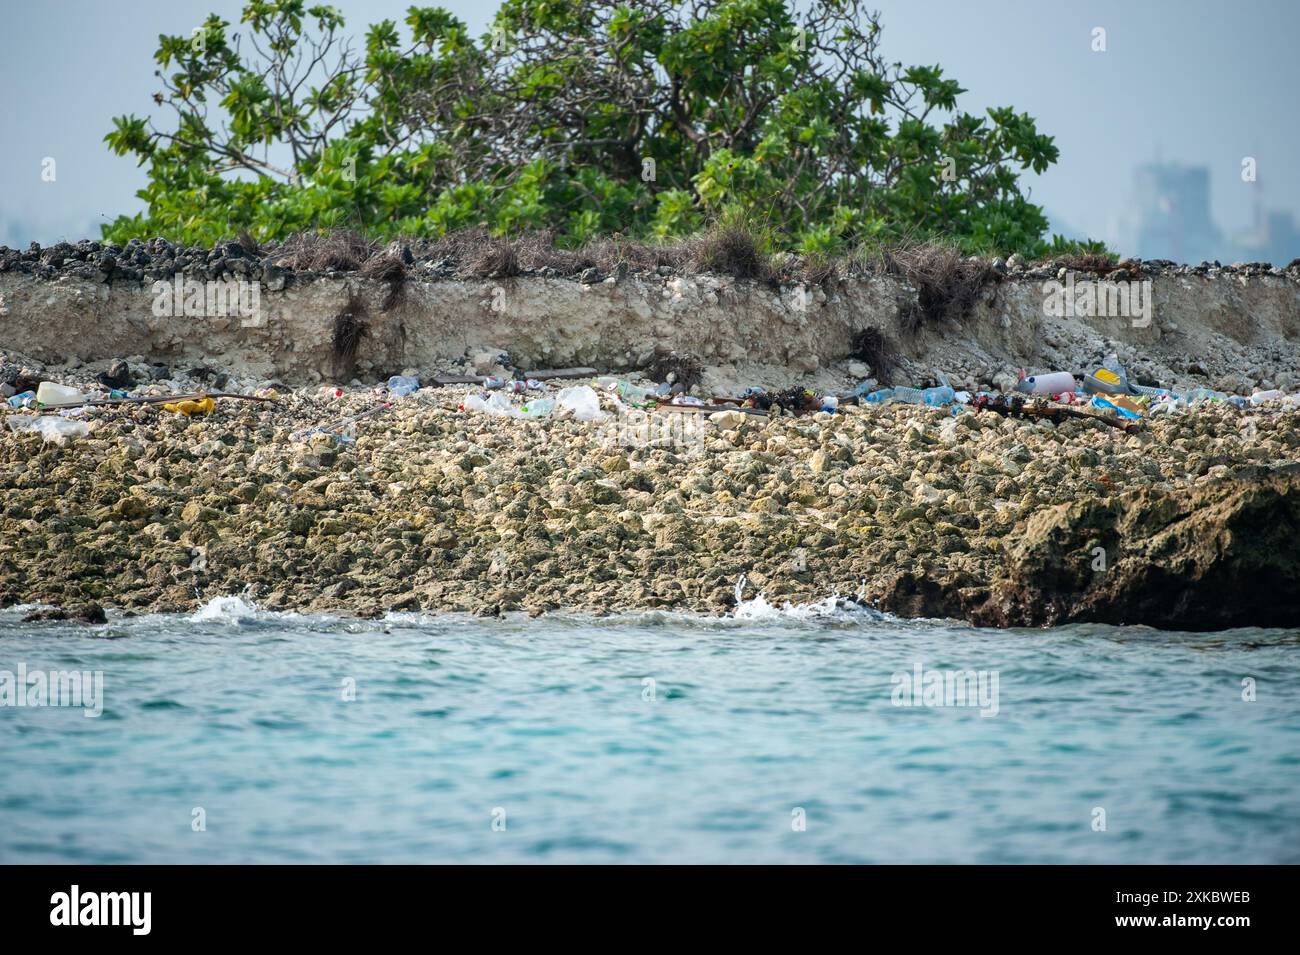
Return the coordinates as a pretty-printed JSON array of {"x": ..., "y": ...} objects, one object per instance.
[
  {"x": 1171, "y": 219},
  {"x": 1274, "y": 239},
  {"x": 1173, "y": 214}
]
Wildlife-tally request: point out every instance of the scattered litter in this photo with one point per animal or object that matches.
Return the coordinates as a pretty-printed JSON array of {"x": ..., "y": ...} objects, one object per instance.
[
  {"x": 582, "y": 400},
  {"x": 1052, "y": 383},
  {"x": 24, "y": 400},
  {"x": 630, "y": 393},
  {"x": 51, "y": 395},
  {"x": 1016, "y": 406},
  {"x": 546, "y": 374},
  {"x": 50, "y": 427},
  {"x": 191, "y": 406},
  {"x": 498, "y": 404},
  {"x": 402, "y": 385},
  {"x": 940, "y": 395},
  {"x": 513, "y": 385},
  {"x": 669, "y": 408},
  {"x": 1118, "y": 404},
  {"x": 340, "y": 428}
]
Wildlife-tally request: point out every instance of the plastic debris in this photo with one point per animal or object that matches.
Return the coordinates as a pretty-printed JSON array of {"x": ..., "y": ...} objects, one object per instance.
[
  {"x": 52, "y": 396},
  {"x": 582, "y": 400},
  {"x": 1118, "y": 404},
  {"x": 498, "y": 404},
  {"x": 24, "y": 400},
  {"x": 1051, "y": 383},
  {"x": 491, "y": 404},
  {"x": 191, "y": 407},
  {"x": 402, "y": 385},
  {"x": 908, "y": 395},
  {"x": 632, "y": 394},
  {"x": 50, "y": 427},
  {"x": 940, "y": 395}
]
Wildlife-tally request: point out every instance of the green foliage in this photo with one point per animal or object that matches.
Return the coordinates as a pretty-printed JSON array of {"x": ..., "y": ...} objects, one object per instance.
[{"x": 581, "y": 117}]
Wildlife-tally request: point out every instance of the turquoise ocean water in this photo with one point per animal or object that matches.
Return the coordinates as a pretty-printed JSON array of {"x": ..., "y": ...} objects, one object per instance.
[{"x": 240, "y": 736}]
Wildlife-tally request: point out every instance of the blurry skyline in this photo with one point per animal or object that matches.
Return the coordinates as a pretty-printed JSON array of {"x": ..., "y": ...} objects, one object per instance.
[{"x": 1185, "y": 83}]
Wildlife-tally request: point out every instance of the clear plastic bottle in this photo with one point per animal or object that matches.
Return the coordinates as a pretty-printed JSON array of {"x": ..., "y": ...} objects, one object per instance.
[
  {"x": 1259, "y": 397},
  {"x": 909, "y": 396},
  {"x": 942, "y": 395},
  {"x": 536, "y": 409}
]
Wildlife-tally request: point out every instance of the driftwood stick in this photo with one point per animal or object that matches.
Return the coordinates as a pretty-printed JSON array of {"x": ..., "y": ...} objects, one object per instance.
[{"x": 154, "y": 399}]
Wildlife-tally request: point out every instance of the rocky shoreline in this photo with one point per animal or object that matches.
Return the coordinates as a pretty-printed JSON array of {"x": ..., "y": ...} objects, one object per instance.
[{"x": 1189, "y": 521}]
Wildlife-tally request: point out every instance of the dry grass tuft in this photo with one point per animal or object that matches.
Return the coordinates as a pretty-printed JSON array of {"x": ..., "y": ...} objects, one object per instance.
[
  {"x": 872, "y": 346},
  {"x": 947, "y": 283},
  {"x": 685, "y": 369},
  {"x": 388, "y": 265},
  {"x": 349, "y": 328},
  {"x": 728, "y": 250},
  {"x": 339, "y": 251},
  {"x": 1095, "y": 262}
]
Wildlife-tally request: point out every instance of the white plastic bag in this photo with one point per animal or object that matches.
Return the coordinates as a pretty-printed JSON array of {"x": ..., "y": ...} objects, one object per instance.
[
  {"x": 50, "y": 427},
  {"x": 582, "y": 401}
]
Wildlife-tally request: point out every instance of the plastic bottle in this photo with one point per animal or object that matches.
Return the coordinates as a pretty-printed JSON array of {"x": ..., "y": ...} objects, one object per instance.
[
  {"x": 495, "y": 403},
  {"x": 1052, "y": 383},
  {"x": 536, "y": 409},
  {"x": 909, "y": 396},
  {"x": 1259, "y": 397},
  {"x": 1148, "y": 390},
  {"x": 879, "y": 397},
  {"x": 1204, "y": 394},
  {"x": 633, "y": 394},
  {"x": 941, "y": 395},
  {"x": 51, "y": 395},
  {"x": 830, "y": 403},
  {"x": 402, "y": 385}
]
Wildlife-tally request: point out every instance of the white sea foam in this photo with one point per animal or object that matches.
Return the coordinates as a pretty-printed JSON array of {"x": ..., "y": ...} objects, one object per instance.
[
  {"x": 834, "y": 607},
  {"x": 228, "y": 609}
]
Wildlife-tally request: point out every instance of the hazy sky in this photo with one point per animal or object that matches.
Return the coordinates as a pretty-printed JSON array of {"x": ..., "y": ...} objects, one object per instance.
[{"x": 1186, "y": 80}]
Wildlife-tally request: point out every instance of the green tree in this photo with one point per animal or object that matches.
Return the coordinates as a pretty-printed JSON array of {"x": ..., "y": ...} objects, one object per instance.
[{"x": 584, "y": 117}]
